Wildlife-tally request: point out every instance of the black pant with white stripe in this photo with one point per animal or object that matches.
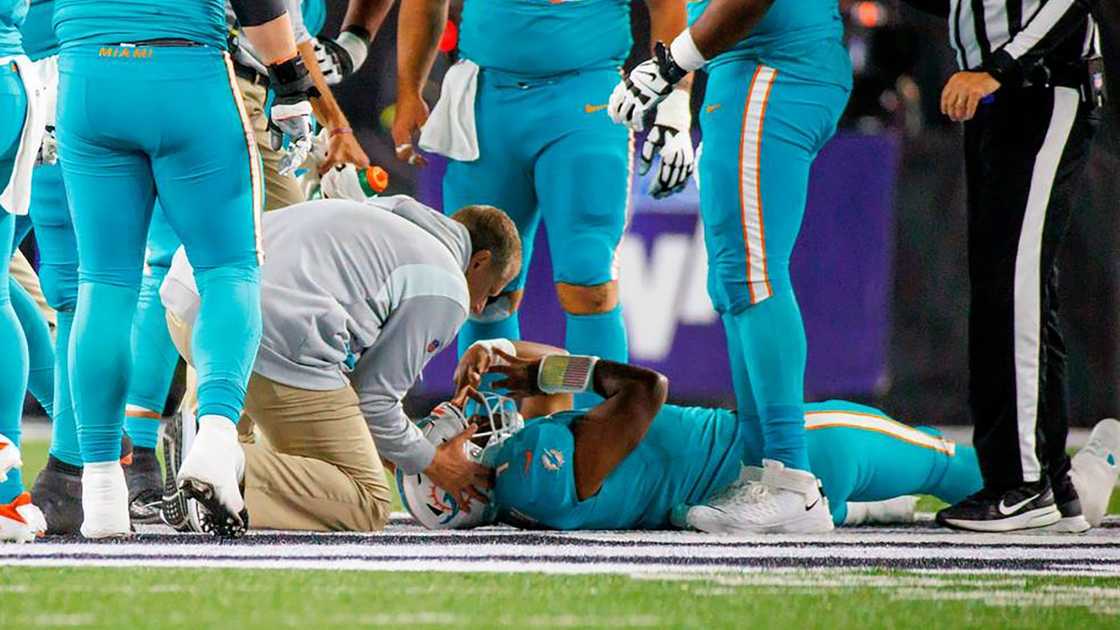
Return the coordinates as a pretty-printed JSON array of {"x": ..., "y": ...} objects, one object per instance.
[{"x": 1025, "y": 153}]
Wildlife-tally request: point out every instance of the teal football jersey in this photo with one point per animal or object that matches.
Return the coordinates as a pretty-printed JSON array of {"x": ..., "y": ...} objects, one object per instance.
[
  {"x": 544, "y": 37},
  {"x": 688, "y": 454},
  {"x": 123, "y": 21},
  {"x": 12, "y": 14},
  {"x": 38, "y": 31},
  {"x": 802, "y": 37}
]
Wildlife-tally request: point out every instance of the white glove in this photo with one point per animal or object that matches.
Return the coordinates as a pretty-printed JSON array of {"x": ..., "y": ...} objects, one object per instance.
[
  {"x": 341, "y": 182},
  {"x": 669, "y": 138},
  {"x": 310, "y": 181},
  {"x": 339, "y": 58},
  {"x": 294, "y": 122},
  {"x": 652, "y": 81}
]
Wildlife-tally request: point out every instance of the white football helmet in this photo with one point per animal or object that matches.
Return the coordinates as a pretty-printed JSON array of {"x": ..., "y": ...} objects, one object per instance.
[{"x": 432, "y": 506}]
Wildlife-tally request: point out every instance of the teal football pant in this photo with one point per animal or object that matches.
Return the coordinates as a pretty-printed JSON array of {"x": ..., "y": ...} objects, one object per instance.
[
  {"x": 193, "y": 151},
  {"x": 762, "y": 131},
  {"x": 13, "y": 345},
  {"x": 549, "y": 151}
]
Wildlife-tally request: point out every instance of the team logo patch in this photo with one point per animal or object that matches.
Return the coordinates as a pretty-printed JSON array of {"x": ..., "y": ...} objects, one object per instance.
[
  {"x": 552, "y": 459},
  {"x": 435, "y": 345}
]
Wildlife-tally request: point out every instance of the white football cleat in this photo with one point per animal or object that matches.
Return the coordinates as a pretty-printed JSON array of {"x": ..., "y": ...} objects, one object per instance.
[
  {"x": 211, "y": 474},
  {"x": 895, "y": 511},
  {"x": 21, "y": 521},
  {"x": 104, "y": 501},
  {"x": 782, "y": 501},
  {"x": 1095, "y": 468},
  {"x": 9, "y": 457}
]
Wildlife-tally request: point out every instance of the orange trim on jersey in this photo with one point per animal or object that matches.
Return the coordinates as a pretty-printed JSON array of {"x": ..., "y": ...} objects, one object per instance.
[{"x": 141, "y": 413}]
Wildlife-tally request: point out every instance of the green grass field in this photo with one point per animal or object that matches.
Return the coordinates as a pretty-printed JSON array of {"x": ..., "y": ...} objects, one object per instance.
[
  {"x": 215, "y": 598},
  {"x": 834, "y": 598}
]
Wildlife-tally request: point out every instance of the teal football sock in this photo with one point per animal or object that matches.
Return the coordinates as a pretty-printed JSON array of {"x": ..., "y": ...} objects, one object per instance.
[
  {"x": 40, "y": 347},
  {"x": 64, "y": 432},
  {"x": 472, "y": 331},
  {"x": 772, "y": 338},
  {"x": 602, "y": 335}
]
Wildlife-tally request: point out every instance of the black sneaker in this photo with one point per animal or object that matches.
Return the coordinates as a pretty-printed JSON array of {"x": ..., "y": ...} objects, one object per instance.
[
  {"x": 145, "y": 486},
  {"x": 173, "y": 508},
  {"x": 58, "y": 493},
  {"x": 1069, "y": 506},
  {"x": 1028, "y": 506}
]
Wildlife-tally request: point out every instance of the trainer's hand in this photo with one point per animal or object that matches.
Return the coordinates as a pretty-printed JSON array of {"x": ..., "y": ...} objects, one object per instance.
[
  {"x": 412, "y": 113},
  {"x": 963, "y": 93},
  {"x": 647, "y": 85},
  {"x": 520, "y": 375},
  {"x": 669, "y": 139},
  {"x": 290, "y": 115},
  {"x": 474, "y": 363},
  {"x": 454, "y": 472},
  {"x": 343, "y": 148}
]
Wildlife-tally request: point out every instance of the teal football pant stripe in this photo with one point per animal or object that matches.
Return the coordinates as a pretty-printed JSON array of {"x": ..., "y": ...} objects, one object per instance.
[
  {"x": 194, "y": 147},
  {"x": 762, "y": 131}
]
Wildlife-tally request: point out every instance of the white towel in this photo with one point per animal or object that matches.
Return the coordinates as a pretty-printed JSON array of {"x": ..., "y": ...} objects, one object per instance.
[
  {"x": 16, "y": 197},
  {"x": 48, "y": 83},
  {"x": 450, "y": 129}
]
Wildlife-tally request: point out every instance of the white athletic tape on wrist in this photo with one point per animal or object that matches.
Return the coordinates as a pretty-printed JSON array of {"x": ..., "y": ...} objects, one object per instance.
[
  {"x": 685, "y": 52},
  {"x": 356, "y": 46},
  {"x": 490, "y": 345},
  {"x": 674, "y": 111},
  {"x": 566, "y": 373}
]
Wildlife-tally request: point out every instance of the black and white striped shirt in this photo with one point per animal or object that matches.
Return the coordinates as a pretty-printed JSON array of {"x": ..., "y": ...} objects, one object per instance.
[{"x": 1010, "y": 36}]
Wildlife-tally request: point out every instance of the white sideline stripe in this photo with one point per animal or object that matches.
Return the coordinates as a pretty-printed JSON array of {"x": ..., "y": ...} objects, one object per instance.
[
  {"x": 562, "y": 552},
  {"x": 1028, "y": 278}
]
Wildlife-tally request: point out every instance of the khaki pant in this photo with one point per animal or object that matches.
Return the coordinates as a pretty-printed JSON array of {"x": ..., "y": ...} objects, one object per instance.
[
  {"x": 280, "y": 191},
  {"x": 317, "y": 468}
]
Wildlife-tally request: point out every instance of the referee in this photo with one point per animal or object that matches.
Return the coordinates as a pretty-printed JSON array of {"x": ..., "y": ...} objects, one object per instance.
[{"x": 1025, "y": 95}]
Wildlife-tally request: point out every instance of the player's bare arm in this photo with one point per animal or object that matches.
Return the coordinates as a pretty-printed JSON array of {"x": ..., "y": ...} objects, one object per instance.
[
  {"x": 606, "y": 434},
  {"x": 419, "y": 28},
  {"x": 342, "y": 147}
]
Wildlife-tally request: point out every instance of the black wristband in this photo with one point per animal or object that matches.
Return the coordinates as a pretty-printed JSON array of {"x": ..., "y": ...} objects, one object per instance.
[
  {"x": 670, "y": 69},
  {"x": 290, "y": 80},
  {"x": 1004, "y": 68}
]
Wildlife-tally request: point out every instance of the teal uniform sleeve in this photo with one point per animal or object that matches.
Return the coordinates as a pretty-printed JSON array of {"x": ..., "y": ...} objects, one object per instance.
[{"x": 534, "y": 483}]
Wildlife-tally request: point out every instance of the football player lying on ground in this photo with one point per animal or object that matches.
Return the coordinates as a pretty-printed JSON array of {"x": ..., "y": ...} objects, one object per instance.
[
  {"x": 634, "y": 462},
  {"x": 356, "y": 298}
]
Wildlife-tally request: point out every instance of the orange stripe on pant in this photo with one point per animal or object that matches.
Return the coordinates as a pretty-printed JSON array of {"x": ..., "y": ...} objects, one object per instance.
[{"x": 750, "y": 182}]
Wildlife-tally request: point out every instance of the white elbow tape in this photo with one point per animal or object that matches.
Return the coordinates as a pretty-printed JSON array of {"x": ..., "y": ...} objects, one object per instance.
[
  {"x": 357, "y": 47},
  {"x": 685, "y": 52},
  {"x": 490, "y": 345},
  {"x": 566, "y": 373}
]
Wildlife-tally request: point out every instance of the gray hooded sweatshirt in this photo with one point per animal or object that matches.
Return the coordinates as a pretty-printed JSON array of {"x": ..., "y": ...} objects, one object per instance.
[{"x": 360, "y": 294}]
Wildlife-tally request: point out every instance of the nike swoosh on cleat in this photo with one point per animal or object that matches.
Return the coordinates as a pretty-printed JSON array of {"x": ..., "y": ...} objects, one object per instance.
[
  {"x": 591, "y": 109},
  {"x": 1008, "y": 510},
  {"x": 813, "y": 505}
]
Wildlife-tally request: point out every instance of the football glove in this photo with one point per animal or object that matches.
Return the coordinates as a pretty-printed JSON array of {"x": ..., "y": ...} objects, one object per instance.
[
  {"x": 670, "y": 139},
  {"x": 339, "y": 58},
  {"x": 290, "y": 116},
  {"x": 652, "y": 80}
]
